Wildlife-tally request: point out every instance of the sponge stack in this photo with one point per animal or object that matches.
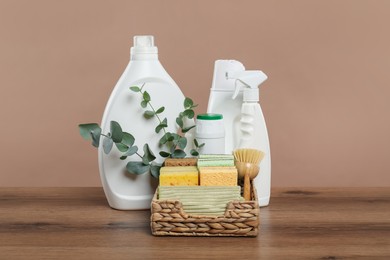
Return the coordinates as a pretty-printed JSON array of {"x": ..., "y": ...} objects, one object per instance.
[{"x": 217, "y": 170}]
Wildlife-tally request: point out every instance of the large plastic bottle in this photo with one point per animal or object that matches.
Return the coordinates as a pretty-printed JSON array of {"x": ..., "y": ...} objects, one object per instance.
[
  {"x": 235, "y": 94},
  {"x": 123, "y": 190}
]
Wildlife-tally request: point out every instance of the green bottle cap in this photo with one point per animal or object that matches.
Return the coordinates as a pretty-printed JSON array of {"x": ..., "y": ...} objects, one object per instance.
[{"x": 209, "y": 116}]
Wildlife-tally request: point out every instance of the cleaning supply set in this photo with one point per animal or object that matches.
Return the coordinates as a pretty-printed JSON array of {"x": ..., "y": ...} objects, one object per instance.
[{"x": 233, "y": 124}]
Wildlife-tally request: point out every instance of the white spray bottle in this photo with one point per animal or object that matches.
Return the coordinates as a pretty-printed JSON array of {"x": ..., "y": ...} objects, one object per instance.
[{"x": 235, "y": 94}]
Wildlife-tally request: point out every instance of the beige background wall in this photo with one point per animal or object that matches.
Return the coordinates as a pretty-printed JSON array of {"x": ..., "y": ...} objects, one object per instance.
[{"x": 326, "y": 101}]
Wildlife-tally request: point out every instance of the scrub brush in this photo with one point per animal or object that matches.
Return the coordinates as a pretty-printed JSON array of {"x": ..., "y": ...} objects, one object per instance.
[{"x": 247, "y": 163}]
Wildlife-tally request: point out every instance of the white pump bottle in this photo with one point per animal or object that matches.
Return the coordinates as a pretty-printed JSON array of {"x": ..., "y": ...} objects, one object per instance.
[{"x": 235, "y": 94}]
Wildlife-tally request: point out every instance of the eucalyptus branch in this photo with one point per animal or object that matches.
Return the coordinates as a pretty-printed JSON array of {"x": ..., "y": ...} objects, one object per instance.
[
  {"x": 174, "y": 142},
  {"x": 154, "y": 110}
]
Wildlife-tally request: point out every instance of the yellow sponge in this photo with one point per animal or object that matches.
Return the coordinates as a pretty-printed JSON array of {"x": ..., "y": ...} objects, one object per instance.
[
  {"x": 218, "y": 176},
  {"x": 179, "y": 176}
]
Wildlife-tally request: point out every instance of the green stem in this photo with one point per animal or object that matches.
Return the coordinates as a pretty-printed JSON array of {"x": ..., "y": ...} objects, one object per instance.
[{"x": 150, "y": 105}]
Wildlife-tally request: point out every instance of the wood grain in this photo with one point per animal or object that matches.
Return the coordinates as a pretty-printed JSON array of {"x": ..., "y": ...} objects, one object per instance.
[{"x": 77, "y": 223}]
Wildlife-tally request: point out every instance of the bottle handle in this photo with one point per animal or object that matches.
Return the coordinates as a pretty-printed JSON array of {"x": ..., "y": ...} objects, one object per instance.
[{"x": 247, "y": 126}]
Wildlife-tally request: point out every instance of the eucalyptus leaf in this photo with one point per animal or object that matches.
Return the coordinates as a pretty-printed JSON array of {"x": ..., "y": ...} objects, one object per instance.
[
  {"x": 178, "y": 154},
  {"x": 155, "y": 170},
  {"x": 145, "y": 160},
  {"x": 164, "y": 122},
  {"x": 174, "y": 137},
  {"x": 196, "y": 143},
  {"x": 121, "y": 147},
  {"x": 185, "y": 130},
  {"x": 123, "y": 157},
  {"x": 85, "y": 130},
  {"x": 128, "y": 139},
  {"x": 135, "y": 88},
  {"x": 107, "y": 145},
  {"x": 170, "y": 137},
  {"x": 179, "y": 122},
  {"x": 173, "y": 147},
  {"x": 182, "y": 142},
  {"x": 188, "y": 103},
  {"x": 146, "y": 96},
  {"x": 158, "y": 128},
  {"x": 137, "y": 168},
  {"x": 160, "y": 110},
  {"x": 149, "y": 114},
  {"x": 132, "y": 150},
  {"x": 194, "y": 152},
  {"x": 201, "y": 145},
  {"x": 161, "y": 125},
  {"x": 148, "y": 154},
  {"x": 164, "y": 154},
  {"x": 144, "y": 104},
  {"x": 164, "y": 138},
  {"x": 189, "y": 113},
  {"x": 116, "y": 132},
  {"x": 95, "y": 135}
]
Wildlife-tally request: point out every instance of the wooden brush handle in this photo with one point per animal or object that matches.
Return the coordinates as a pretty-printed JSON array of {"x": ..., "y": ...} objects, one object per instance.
[{"x": 247, "y": 186}]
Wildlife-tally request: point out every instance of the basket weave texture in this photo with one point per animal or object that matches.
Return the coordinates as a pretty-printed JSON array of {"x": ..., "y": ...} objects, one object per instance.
[{"x": 241, "y": 218}]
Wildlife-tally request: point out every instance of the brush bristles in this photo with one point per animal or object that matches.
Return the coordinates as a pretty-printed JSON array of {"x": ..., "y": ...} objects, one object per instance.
[{"x": 249, "y": 155}]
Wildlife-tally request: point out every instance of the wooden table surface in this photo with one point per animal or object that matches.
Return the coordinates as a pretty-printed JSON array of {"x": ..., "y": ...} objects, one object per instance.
[{"x": 77, "y": 223}]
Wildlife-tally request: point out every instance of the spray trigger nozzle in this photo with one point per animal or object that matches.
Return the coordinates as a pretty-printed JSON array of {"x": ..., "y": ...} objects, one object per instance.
[{"x": 249, "y": 80}]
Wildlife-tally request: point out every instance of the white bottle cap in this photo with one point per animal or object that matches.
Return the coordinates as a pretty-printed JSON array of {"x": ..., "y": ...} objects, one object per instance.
[{"x": 143, "y": 44}]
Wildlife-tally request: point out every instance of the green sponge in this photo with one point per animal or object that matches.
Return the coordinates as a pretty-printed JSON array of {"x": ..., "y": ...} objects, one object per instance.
[{"x": 215, "y": 160}]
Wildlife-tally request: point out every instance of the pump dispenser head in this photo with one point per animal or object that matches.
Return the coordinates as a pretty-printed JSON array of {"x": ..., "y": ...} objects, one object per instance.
[
  {"x": 143, "y": 44},
  {"x": 249, "y": 81}
]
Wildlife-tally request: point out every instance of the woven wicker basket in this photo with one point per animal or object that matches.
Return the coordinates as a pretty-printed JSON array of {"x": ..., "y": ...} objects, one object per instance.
[{"x": 241, "y": 218}]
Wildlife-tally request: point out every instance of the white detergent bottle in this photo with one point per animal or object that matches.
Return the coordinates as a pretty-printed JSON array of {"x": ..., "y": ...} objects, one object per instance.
[
  {"x": 123, "y": 190},
  {"x": 238, "y": 103}
]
